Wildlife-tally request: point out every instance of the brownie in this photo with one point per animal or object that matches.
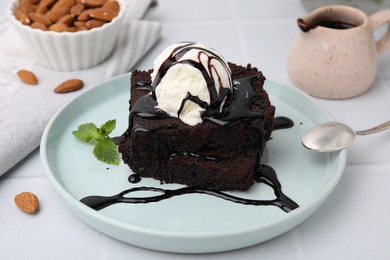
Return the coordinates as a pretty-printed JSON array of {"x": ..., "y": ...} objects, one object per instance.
[{"x": 207, "y": 155}]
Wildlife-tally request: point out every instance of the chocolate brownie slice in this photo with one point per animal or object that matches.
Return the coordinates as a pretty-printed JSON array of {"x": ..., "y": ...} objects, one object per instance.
[{"x": 216, "y": 154}]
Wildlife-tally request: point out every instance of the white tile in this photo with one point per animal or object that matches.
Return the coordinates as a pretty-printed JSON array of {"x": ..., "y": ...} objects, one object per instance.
[
  {"x": 218, "y": 35},
  {"x": 187, "y": 10},
  {"x": 352, "y": 216},
  {"x": 383, "y": 72},
  {"x": 268, "y": 49},
  {"x": 280, "y": 9}
]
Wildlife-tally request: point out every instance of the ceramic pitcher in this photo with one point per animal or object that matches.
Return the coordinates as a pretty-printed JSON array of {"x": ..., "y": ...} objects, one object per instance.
[{"x": 334, "y": 55}]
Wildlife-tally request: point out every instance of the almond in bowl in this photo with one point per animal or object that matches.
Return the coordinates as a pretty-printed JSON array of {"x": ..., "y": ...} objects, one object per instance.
[{"x": 68, "y": 34}]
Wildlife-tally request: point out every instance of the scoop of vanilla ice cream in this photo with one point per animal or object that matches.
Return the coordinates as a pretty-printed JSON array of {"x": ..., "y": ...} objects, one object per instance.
[{"x": 188, "y": 78}]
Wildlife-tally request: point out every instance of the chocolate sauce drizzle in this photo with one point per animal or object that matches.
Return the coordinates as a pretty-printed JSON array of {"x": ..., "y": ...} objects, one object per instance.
[
  {"x": 207, "y": 158},
  {"x": 243, "y": 93},
  {"x": 265, "y": 175},
  {"x": 237, "y": 111}
]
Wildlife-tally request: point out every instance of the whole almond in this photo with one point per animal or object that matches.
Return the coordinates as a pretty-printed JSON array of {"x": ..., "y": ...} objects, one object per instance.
[
  {"x": 22, "y": 2},
  {"x": 56, "y": 14},
  {"x": 58, "y": 27},
  {"x": 72, "y": 29},
  {"x": 37, "y": 17},
  {"x": 102, "y": 14},
  {"x": 27, "y": 77},
  {"x": 67, "y": 20},
  {"x": 42, "y": 10},
  {"x": 94, "y": 23},
  {"x": 62, "y": 3},
  {"x": 22, "y": 17},
  {"x": 38, "y": 25},
  {"x": 27, "y": 202},
  {"x": 46, "y": 3},
  {"x": 112, "y": 5},
  {"x": 93, "y": 3},
  {"x": 81, "y": 26},
  {"x": 84, "y": 16},
  {"x": 69, "y": 86},
  {"x": 26, "y": 7},
  {"x": 77, "y": 9}
]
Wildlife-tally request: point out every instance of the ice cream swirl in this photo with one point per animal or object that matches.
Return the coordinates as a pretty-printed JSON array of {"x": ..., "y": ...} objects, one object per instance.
[{"x": 191, "y": 81}]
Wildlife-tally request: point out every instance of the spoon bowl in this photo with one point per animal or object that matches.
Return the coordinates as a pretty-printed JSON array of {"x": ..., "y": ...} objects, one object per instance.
[
  {"x": 328, "y": 137},
  {"x": 335, "y": 136}
]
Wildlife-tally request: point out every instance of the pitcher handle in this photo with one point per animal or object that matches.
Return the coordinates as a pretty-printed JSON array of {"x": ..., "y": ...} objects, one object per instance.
[{"x": 377, "y": 19}]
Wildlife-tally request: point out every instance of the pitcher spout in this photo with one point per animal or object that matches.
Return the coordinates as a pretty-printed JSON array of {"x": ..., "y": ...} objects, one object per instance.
[{"x": 305, "y": 26}]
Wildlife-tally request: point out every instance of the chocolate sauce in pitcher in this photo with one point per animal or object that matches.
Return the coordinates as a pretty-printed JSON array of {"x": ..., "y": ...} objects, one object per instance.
[{"x": 338, "y": 25}]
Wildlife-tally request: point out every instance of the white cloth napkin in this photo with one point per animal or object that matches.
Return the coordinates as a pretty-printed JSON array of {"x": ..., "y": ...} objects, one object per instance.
[{"x": 25, "y": 110}]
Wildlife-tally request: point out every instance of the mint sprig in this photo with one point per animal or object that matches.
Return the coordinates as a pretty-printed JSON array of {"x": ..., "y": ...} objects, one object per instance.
[{"x": 105, "y": 149}]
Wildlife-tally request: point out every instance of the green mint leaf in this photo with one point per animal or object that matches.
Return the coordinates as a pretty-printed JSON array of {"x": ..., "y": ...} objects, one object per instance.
[
  {"x": 107, "y": 128},
  {"x": 87, "y": 132},
  {"x": 105, "y": 150}
]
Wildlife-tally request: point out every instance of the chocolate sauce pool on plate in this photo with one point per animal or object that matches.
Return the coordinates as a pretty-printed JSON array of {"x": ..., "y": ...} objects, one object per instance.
[
  {"x": 282, "y": 122},
  {"x": 265, "y": 175},
  {"x": 134, "y": 178}
]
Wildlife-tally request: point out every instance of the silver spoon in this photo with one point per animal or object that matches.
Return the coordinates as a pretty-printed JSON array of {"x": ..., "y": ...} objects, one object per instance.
[{"x": 335, "y": 136}]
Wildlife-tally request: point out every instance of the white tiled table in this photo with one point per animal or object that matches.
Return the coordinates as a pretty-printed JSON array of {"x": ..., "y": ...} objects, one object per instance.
[{"x": 354, "y": 221}]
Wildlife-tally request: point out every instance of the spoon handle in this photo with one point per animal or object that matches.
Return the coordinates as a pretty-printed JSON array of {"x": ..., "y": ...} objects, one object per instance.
[{"x": 375, "y": 129}]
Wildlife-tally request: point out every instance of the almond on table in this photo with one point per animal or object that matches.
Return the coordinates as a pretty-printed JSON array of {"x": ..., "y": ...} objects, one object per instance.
[
  {"x": 69, "y": 86},
  {"x": 27, "y": 202},
  {"x": 27, "y": 77}
]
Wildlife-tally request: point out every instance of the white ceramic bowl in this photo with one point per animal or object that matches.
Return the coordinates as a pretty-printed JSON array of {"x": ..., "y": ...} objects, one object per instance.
[{"x": 68, "y": 51}]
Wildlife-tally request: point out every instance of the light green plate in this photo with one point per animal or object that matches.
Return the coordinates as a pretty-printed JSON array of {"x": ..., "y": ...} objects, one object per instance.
[{"x": 193, "y": 223}]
